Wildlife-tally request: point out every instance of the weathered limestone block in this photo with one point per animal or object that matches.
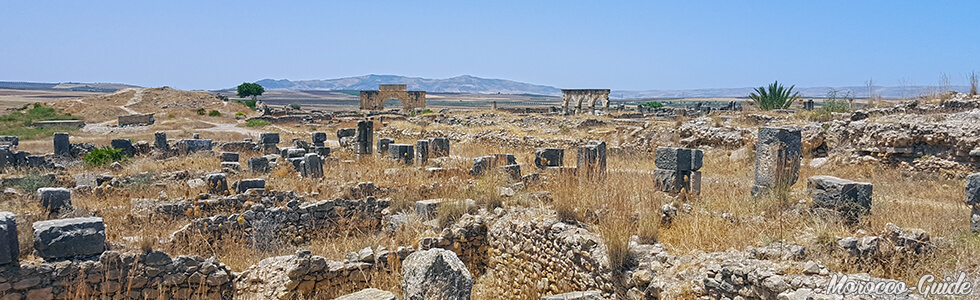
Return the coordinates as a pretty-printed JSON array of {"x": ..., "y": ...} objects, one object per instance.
[
  {"x": 973, "y": 189},
  {"x": 269, "y": 138},
  {"x": 160, "y": 141},
  {"x": 422, "y": 150},
  {"x": 259, "y": 164},
  {"x": 319, "y": 138},
  {"x": 248, "y": 184},
  {"x": 346, "y": 132},
  {"x": 514, "y": 171},
  {"x": 322, "y": 151},
  {"x": 777, "y": 159},
  {"x": 293, "y": 152},
  {"x": 217, "y": 183},
  {"x": 229, "y": 156},
  {"x": 549, "y": 157},
  {"x": 369, "y": 294},
  {"x": 401, "y": 152},
  {"x": 383, "y": 145},
  {"x": 123, "y": 144},
  {"x": 435, "y": 274},
  {"x": 54, "y": 199},
  {"x": 227, "y": 166},
  {"x": 62, "y": 147},
  {"x": 426, "y": 209},
  {"x": 186, "y": 146},
  {"x": 587, "y": 295},
  {"x": 68, "y": 238},
  {"x": 135, "y": 120},
  {"x": 9, "y": 140},
  {"x": 439, "y": 147},
  {"x": 672, "y": 181},
  {"x": 851, "y": 199},
  {"x": 480, "y": 165},
  {"x": 365, "y": 137},
  {"x": 9, "y": 246},
  {"x": 502, "y": 159},
  {"x": 312, "y": 166},
  {"x": 591, "y": 159},
  {"x": 680, "y": 159}
]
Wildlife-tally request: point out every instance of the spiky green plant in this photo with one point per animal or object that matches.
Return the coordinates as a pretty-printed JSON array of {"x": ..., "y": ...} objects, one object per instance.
[{"x": 775, "y": 97}]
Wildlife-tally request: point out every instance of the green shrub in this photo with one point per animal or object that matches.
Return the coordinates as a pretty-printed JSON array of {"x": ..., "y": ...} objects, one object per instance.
[
  {"x": 214, "y": 113},
  {"x": 239, "y": 114},
  {"x": 201, "y": 111},
  {"x": 774, "y": 97},
  {"x": 249, "y": 103},
  {"x": 837, "y": 104},
  {"x": 170, "y": 116},
  {"x": 294, "y": 106},
  {"x": 31, "y": 182},
  {"x": 256, "y": 123},
  {"x": 653, "y": 104},
  {"x": 103, "y": 156}
]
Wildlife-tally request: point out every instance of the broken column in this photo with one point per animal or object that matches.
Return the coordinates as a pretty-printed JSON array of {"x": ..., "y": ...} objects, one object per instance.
[
  {"x": 973, "y": 200},
  {"x": 312, "y": 166},
  {"x": 849, "y": 199},
  {"x": 401, "y": 152},
  {"x": 9, "y": 246},
  {"x": 777, "y": 159},
  {"x": 365, "y": 137},
  {"x": 383, "y": 145},
  {"x": 677, "y": 170},
  {"x": 54, "y": 199},
  {"x": 160, "y": 141},
  {"x": 217, "y": 183},
  {"x": 123, "y": 144},
  {"x": 62, "y": 147},
  {"x": 439, "y": 147},
  {"x": 69, "y": 238},
  {"x": 268, "y": 142},
  {"x": 422, "y": 149},
  {"x": 549, "y": 157},
  {"x": 591, "y": 160},
  {"x": 497, "y": 160}
]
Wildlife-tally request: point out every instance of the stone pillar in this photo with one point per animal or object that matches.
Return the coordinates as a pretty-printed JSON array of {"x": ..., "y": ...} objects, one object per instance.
[
  {"x": 160, "y": 141},
  {"x": 217, "y": 183},
  {"x": 422, "y": 149},
  {"x": 677, "y": 169},
  {"x": 124, "y": 144},
  {"x": 54, "y": 199},
  {"x": 973, "y": 200},
  {"x": 61, "y": 145},
  {"x": 777, "y": 159},
  {"x": 319, "y": 138},
  {"x": 439, "y": 146},
  {"x": 401, "y": 152},
  {"x": 9, "y": 246},
  {"x": 591, "y": 160},
  {"x": 493, "y": 105},
  {"x": 383, "y": 145},
  {"x": 549, "y": 157},
  {"x": 312, "y": 166},
  {"x": 365, "y": 137}
]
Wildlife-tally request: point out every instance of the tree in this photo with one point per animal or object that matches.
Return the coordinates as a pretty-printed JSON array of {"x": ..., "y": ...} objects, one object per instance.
[
  {"x": 250, "y": 90},
  {"x": 775, "y": 97}
]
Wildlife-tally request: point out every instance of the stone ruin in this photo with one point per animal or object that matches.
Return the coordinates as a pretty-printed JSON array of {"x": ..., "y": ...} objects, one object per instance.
[
  {"x": 848, "y": 199},
  {"x": 678, "y": 170},
  {"x": 590, "y": 96},
  {"x": 136, "y": 120},
  {"x": 591, "y": 160},
  {"x": 973, "y": 200},
  {"x": 777, "y": 159},
  {"x": 375, "y": 100}
]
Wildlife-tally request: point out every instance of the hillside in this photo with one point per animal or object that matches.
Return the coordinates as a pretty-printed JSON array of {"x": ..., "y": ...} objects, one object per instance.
[
  {"x": 162, "y": 101},
  {"x": 460, "y": 84}
]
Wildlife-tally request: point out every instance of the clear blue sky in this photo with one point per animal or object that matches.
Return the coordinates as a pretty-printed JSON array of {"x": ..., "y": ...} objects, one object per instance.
[{"x": 570, "y": 44}]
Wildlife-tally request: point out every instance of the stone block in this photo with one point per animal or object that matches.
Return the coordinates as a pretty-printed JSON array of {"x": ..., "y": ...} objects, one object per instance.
[
  {"x": 973, "y": 189},
  {"x": 346, "y": 132},
  {"x": 514, "y": 171},
  {"x": 9, "y": 246},
  {"x": 439, "y": 147},
  {"x": 672, "y": 181},
  {"x": 674, "y": 158},
  {"x": 62, "y": 147},
  {"x": 322, "y": 151},
  {"x": 975, "y": 219},
  {"x": 481, "y": 164},
  {"x": 123, "y": 144},
  {"x": 160, "y": 141},
  {"x": 36, "y": 161},
  {"x": 849, "y": 198},
  {"x": 549, "y": 157},
  {"x": 369, "y": 294},
  {"x": 319, "y": 138},
  {"x": 586, "y": 295},
  {"x": 269, "y": 138},
  {"x": 9, "y": 140},
  {"x": 402, "y": 152},
  {"x": 422, "y": 151},
  {"x": 259, "y": 164},
  {"x": 503, "y": 159},
  {"x": 364, "y": 137},
  {"x": 383, "y": 145},
  {"x": 229, "y": 156},
  {"x": 248, "y": 184},
  {"x": 186, "y": 146},
  {"x": 69, "y": 238},
  {"x": 435, "y": 274},
  {"x": 591, "y": 160},
  {"x": 312, "y": 165},
  {"x": 217, "y": 183},
  {"x": 54, "y": 199},
  {"x": 777, "y": 159},
  {"x": 135, "y": 120},
  {"x": 230, "y": 165},
  {"x": 426, "y": 209}
]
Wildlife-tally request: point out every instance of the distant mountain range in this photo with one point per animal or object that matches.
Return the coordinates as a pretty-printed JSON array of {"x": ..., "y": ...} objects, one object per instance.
[
  {"x": 66, "y": 86},
  {"x": 475, "y": 85}
]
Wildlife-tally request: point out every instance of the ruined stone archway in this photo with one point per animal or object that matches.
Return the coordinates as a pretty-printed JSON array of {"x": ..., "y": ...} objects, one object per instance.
[
  {"x": 589, "y": 96},
  {"x": 375, "y": 100}
]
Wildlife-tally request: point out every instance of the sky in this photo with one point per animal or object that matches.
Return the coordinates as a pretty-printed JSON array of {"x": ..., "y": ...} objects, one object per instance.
[{"x": 622, "y": 45}]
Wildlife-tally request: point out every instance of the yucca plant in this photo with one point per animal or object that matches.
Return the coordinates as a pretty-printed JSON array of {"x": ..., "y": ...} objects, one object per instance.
[{"x": 775, "y": 97}]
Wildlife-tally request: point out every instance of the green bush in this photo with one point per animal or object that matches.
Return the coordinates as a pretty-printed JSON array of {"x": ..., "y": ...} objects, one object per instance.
[
  {"x": 294, "y": 106},
  {"x": 774, "y": 97},
  {"x": 103, "y": 156},
  {"x": 214, "y": 113},
  {"x": 256, "y": 123},
  {"x": 653, "y": 104},
  {"x": 239, "y": 114},
  {"x": 170, "y": 116},
  {"x": 837, "y": 104},
  {"x": 249, "y": 103},
  {"x": 32, "y": 182},
  {"x": 201, "y": 111}
]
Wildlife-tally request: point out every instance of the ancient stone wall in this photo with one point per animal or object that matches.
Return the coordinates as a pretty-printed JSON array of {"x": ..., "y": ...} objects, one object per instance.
[
  {"x": 136, "y": 120},
  {"x": 375, "y": 100},
  {"x": 588, "y": 96}
]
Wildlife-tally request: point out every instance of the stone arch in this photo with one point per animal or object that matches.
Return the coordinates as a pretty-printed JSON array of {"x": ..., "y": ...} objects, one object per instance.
[
  {"x": 589, "y": 96},
  {"x": 375, "y": 100}
]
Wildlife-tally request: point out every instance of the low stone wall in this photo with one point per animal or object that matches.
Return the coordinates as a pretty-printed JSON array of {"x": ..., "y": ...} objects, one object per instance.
[
  {"x": 295, "y": 223},
  {"x": 119, "y": 275},
  {"x": 136, "y": 120}
]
